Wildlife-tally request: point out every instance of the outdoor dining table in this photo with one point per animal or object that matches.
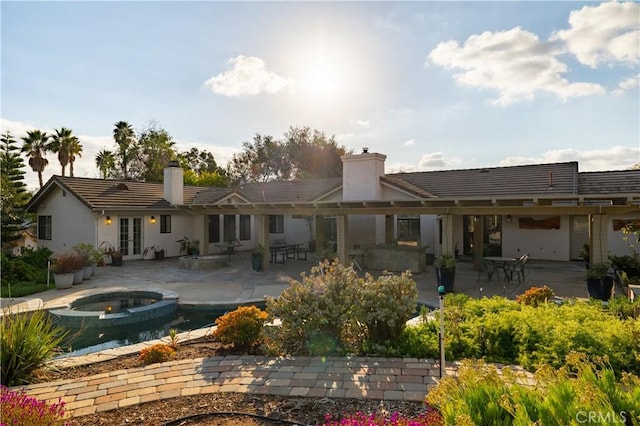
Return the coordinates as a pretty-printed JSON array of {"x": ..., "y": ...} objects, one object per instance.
[
  {"x": 286, "y": 250},
  {"x": 500, "y": 262}
]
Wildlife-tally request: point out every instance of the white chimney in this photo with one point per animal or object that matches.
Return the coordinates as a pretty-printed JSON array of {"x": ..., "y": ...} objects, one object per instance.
[
  {"x": 361, "y": 176},
  {"x": 173, "y": 183}
]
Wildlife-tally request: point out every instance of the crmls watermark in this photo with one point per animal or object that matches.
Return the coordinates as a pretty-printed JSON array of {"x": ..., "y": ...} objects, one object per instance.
[{"x": 599, "y": 417}]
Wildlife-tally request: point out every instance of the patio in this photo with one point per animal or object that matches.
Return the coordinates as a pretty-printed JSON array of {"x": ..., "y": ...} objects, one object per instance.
[{"x": 237, "y": 282}]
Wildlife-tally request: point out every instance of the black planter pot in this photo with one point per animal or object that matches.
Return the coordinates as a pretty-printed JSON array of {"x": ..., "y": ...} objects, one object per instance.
[
  {"x": 446, "y": 278},
  {"x": 159, "y": 255},
  {"x": 600, "y": 289},
  {"x": 116, "y": 261},
  {"x": 256, "y": 262}
]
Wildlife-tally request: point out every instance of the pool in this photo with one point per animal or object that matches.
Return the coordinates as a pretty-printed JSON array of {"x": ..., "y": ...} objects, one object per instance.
[{"x": 83, "y": 340}]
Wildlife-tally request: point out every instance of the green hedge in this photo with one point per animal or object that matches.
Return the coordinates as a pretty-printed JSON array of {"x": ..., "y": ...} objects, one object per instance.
[{"x": 503, "y": 331}]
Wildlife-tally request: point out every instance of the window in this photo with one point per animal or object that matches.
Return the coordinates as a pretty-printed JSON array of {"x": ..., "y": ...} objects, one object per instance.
[
  {"x": 165, "y": 224},
  {"x": 409, "y": 229},
  {"x": 44, "y": 227},
  {"x": 214, "y": 228},
  {"x": 229, "y": 228},
  {"x": 245, "y": 227},
  {"x": 276, "y": 224}
]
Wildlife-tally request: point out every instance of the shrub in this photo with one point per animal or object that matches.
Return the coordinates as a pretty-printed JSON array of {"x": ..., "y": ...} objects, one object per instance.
[
  {"x": 333, "y": 311},
  {"x": 385, "y": 305},
  {"x": 241, "y": 327},
  {"x": 25, "y": 274},
  {"x": 20, "y": 409},
  {"x": 27, "y": 341},
  {"x": 536, "y": 296},
  {"x": 316, "y": 313},
  {"x": 482, "y": 395},
  {"x": 500, "y": 330},
  {"x": 159, "y": 352}
]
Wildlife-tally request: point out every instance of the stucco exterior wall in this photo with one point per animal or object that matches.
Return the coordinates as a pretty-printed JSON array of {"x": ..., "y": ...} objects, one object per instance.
[
  {"x": 617, "y": 245},
  {"x": 71, "y": 221},
  {"x": 542, "y": 244}
]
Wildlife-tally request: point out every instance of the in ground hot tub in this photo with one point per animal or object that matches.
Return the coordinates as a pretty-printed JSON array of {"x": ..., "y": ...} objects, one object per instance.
[{"x": 116, "y": 308}]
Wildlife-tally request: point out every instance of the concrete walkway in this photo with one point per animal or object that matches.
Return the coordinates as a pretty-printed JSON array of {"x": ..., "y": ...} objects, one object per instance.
[{"x": 375, "y": 378}]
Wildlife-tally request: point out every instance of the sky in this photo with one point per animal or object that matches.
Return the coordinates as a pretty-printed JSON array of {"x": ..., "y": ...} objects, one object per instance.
[{"x": 433, "y": 85}]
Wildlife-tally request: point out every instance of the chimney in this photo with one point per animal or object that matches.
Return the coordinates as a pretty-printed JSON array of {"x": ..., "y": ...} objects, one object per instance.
[
  {"x": 173, "y": 183},
  {"x": 361, "y": 176}
]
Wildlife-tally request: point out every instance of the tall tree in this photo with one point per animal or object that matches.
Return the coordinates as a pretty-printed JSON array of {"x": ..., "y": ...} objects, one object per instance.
[
  {"x": 199, "y": 161},
  {"x": 13, "y": 190},
  {"x": 105, "y": 162},
  {"x": 36, "y": 145},
  {"x": 304, "y": 153},
  {"x": 60, "y": 145},
  {"x": 313, "y": 154},
  {"x": 157, "y": 149},
  {"x": 125, "y": 139},
  {"x": 75, "y": 151}
]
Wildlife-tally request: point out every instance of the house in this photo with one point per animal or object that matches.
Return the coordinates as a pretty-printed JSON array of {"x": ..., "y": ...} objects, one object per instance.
[{"x": 546, "y": 210}]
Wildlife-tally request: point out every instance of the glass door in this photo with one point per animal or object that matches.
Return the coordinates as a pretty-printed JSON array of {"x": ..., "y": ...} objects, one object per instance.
[{"x": 130, "y": 237}]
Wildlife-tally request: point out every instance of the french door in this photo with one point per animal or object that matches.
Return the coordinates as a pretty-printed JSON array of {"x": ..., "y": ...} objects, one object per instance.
[{"x": 130, "y": 237}]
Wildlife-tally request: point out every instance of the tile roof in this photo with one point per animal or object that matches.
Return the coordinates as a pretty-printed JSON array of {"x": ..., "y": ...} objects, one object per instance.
[
  {"x": 515, "y": 181},
  {"x": 296, "y": 191},
  {"x": 114, "y": 194},
  {"x": 612, "y": 182}
]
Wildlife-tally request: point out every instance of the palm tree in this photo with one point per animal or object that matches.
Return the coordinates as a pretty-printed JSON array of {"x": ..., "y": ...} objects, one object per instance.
[
  {"x": 75, "y": 150},
  {"x": 105, "y": 162},
  {"x": 123, "y": 135},
  {"x": 60, "y": 144},
  {"x": 36, "y": 146}
]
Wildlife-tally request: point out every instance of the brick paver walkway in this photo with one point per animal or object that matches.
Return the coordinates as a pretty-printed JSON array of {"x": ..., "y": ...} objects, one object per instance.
[{"x": 358, "y": 377}]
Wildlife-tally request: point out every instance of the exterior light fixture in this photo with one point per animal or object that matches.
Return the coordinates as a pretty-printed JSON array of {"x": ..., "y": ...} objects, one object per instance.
[
  {"x": 508, "y": 218},
  {"x": 108, "y": 220},
  {"x": 153, "y": 219}
]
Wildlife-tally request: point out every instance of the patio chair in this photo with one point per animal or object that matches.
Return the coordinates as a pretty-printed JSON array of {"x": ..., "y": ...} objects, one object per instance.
[
  {"x": 518, "y": 268},
  {"x": 485, "y": 269}
]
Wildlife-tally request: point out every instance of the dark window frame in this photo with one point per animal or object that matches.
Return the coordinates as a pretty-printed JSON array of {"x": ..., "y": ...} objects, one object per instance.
[
  {"x": 45, "y": 227},
  {"x": 165, "y": 223},
  {"x": 276, "y": 224},
  {"x": 245, "y": 227}
]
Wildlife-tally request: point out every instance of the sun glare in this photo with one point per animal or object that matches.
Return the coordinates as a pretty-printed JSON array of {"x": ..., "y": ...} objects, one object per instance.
[{"x": 319, "y": 79}]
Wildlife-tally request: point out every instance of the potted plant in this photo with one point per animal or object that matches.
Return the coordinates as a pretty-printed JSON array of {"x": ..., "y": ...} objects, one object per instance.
[
  {"x": 189, "y": 247},
  {"x": 257, "y": 256},
  {"x": 85, "y": 253},
  {"x": 194, "y": 248},
  {"x": 110, "y": 250},
  {"x": 63, "y": 267},
  {"x": 446, "y": 271},
  {"x": 599, "y": 282},
  {"x": 584, "y": 254},
  {"x": 158, "y": 253}
]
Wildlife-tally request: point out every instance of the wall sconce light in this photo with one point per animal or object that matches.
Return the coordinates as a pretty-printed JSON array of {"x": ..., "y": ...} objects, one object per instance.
[
  {"x": 153, "y": 219},
  {"x": 508, "y": 218},
  {"x": 108, "y": 220}
]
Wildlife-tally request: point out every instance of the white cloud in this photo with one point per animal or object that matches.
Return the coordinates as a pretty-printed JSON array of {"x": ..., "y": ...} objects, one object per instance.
[
  {"x": 409, "y": 142},
  {"x": 614, "y": 158},
  {"x": 609, "y": 32},
  {"x": 433, "y": 160},
  {"x": 628, "y": 84},
  {"x": 361, "y": 123},
  {"x": 514, "y": 62},
  {"x": 248, "y": 76}
]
